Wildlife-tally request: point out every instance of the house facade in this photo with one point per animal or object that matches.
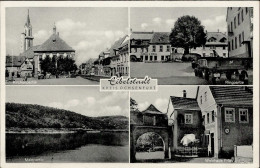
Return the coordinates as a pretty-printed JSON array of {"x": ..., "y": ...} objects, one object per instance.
[
  {"x": 216, "y": 46},
  {"x": 159, "y": 48},
  {"x": 227, "y": 114},
  {"x": 114, "y": 61},
  {"x": 240, "y": 31},
  {"x": 150, "y": 46},
  {"x": 187, "y": 119}
]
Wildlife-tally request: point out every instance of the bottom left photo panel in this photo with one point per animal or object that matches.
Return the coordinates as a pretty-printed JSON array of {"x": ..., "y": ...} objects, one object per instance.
[{"x": 66, "y": 124}]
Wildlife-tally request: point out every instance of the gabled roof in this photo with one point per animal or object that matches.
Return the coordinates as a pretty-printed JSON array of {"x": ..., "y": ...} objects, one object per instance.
[
  {"x": 152, "y": 110},
  {"x": 233, "y": 95},
  {"x": 14, "y": 61},
  {"x": 55, "y": 44},
  {"x": 217, "y": 36},
  {"x": 184, "y": 103},
  {"x": 116, "y": 45},
  {"x": 30, "y": 52},
  {"x": 141, "y": 35},
  {"x": 160, "y": 38}
]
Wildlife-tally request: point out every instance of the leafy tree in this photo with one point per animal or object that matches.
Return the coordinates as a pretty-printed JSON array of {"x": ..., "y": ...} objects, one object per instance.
[
  {"x": 187, "y": 33},
  {"x": 58, "y": 65}
]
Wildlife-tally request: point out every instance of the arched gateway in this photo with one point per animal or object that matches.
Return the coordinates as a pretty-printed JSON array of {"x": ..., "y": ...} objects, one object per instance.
[{"x": 150, "y": 120}]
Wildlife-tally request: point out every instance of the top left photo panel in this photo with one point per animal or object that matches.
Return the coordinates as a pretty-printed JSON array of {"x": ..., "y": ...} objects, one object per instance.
[{"x": 65, "y": 45}]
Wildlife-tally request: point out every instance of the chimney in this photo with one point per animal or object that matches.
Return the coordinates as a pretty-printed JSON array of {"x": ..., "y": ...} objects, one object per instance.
[
  {"x": 58, "y": 33},
  {"x": 218, "y": 30},
  {"x": 184, "y": 93}
]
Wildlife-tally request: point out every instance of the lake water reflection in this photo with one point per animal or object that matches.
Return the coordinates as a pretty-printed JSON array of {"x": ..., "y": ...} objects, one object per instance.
[{"x": 68, "y": 147}]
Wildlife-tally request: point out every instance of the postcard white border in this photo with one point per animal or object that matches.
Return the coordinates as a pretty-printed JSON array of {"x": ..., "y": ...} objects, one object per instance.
[{"x": 254, "y": 4}]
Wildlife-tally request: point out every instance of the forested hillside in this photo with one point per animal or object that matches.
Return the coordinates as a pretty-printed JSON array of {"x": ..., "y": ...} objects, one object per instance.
[{"x": 37, "y": 116}]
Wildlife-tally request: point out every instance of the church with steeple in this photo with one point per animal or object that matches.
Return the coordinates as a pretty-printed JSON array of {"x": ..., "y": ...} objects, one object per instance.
[
  {"x": 26, "y": 36},
  {"x": 28, "y": 63}
]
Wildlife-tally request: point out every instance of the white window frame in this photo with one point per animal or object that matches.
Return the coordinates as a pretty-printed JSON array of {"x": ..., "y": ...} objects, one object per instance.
[
  {"x": 186, "y": 117},
  {"x": 246, "y": 115},
  {"x": 233, "y": 115}
]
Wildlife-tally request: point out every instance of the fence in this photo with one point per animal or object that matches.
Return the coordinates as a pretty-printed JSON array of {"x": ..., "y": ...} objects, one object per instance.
[{"x": 187, "y": 151}]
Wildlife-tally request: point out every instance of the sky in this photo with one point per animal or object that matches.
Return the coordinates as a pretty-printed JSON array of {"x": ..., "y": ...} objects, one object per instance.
[
  {"x": 160, "y": 99},
  {"x": 163, "y": 18},
  {"x": 87, "y": 101},
  {"x": 87, "y": 30}
]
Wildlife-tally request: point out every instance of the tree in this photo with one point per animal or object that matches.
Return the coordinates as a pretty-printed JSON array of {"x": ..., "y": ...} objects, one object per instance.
[{"x": 187, "y": 33}]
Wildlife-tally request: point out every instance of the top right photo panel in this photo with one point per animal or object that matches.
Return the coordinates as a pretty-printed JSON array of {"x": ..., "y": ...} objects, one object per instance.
[{"x": 192, "y": 45}]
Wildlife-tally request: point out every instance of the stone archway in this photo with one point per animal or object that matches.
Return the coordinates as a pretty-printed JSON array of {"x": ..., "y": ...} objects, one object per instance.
[
  {"x": 137, "y": 131},
  {"x": 150, "y": 145}
]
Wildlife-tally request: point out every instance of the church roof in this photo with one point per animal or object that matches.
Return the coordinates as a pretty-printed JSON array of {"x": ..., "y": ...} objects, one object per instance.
[
  {"x": 184, "y": 103},
  {"x": 152, "y": 110},
  {"x": 233, "y": 95},
  {"x": 14, "y": 61},
  {"x": 54, "y": 44},
  {"x": 30, "y": 52}
]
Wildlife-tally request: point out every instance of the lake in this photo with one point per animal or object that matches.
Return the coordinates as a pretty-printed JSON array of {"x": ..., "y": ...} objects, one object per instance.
[{"x": 67, "y": 147}]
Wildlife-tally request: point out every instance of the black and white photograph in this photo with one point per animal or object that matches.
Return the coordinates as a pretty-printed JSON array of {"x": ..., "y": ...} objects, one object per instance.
[
  {"x": 192, "y": 45},
  {"x": 129, "y": 84},
  {"x": 194, "y": 124},
  {"x": 66, "y": 46},
  {"x": 66, "y": 125}
]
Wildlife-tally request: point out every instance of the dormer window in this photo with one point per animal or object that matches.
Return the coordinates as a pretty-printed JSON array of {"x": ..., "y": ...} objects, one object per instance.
[
  {"x": 212, "y": 39},
  {"x": 223, "y": 39}
]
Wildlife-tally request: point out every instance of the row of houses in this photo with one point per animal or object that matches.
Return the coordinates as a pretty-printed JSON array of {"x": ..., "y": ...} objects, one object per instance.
[
  {"x": 221, "y": 118},
  {"x": 111, "y": 62},
  {"x": 156, "y": 47}
]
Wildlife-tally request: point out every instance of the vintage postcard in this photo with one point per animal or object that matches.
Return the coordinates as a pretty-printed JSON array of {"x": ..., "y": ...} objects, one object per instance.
[{"x": 129, "y": 84}]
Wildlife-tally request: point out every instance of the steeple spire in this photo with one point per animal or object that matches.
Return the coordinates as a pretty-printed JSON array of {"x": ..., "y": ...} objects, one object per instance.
[
  {"x": 54, "y": 29},
  {"x": 28, "y": 22}
]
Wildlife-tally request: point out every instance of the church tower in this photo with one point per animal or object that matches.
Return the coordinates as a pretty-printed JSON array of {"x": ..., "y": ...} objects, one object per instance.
[{"x": 26, "y": 37}]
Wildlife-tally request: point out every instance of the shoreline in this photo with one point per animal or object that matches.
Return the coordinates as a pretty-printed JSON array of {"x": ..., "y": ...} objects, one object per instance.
[{"x": 57, "y": 131}]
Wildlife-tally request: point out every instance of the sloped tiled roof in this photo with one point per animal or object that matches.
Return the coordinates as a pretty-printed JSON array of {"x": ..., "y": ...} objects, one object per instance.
[
  {"x": 184, "y": 103},
  {"x": 141, "y": 35},
  {"x": 232, "y": 95},
  {"x": 160, "y": 38},
  {"x": 14, "y": 61},
  {"x": 218, "y": 36},
  {"x": 116, "y": 45},
  {"x": 55, "y": 44},
  {"x": 30, "y": 52},
  {"x": 152, "y": 110}
]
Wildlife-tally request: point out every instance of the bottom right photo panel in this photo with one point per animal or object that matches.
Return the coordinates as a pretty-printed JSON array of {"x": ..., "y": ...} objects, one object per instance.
[{"x": 198, "y": 124}]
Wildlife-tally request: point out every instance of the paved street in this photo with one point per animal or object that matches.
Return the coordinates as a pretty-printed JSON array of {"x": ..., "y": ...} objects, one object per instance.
[
  {"x": 167, "y": 73},
  {"x": 172, "y": 73},
  {"x": 60, "y": 81}
]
